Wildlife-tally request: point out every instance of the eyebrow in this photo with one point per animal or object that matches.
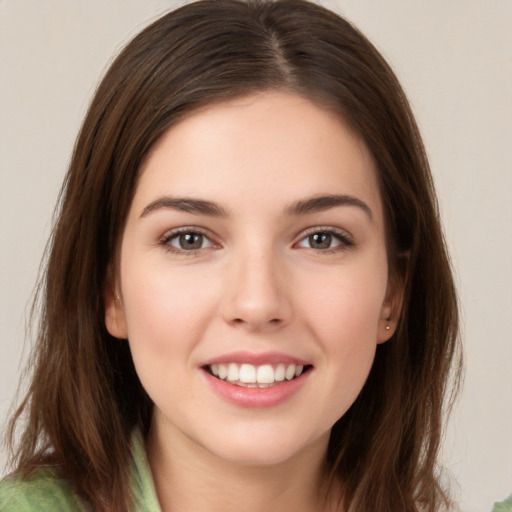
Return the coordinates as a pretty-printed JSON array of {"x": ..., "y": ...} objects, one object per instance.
[
  {"x": 189, "y": 205},
  {"x": 325, "y": 202},
  {"x": 301, "y": 207}
]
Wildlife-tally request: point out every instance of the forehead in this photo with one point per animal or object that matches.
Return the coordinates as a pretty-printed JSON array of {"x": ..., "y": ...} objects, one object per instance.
[{"x": 273, "y": 145}]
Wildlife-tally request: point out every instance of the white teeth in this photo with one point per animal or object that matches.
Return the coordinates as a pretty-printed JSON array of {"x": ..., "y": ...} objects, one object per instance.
[
  {"x": 290, "y": 372},
  {"x": 265, "y": 374},
  {"x": 280, "y": 372},
  {"x": 223, "y": 371},
  {"x": 247, "y": 373},
  {"x": 233, "y": 373},
  {"x": 256, "y": 376}
]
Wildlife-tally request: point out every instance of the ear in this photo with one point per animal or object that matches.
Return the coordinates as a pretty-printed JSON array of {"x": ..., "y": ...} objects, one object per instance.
[
  {"x": 114, "y": 313},
  {"x": 392, "y": 306}
]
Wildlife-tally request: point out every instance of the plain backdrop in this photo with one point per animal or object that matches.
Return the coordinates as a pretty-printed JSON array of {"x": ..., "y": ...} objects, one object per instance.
[{"x": 454, "y": 59}]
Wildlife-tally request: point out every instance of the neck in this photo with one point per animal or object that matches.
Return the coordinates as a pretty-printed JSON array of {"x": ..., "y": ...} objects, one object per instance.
[{"x": 189, "y": 478}]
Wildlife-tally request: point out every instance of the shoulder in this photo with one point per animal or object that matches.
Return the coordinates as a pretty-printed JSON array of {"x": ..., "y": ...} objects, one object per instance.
[
  {"x": 504, "y": 506},
  {"x": 42, "y": 491}
]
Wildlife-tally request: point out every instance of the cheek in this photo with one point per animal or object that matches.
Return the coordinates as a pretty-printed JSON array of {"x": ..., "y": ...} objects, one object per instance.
[
  {"x": 343, "y": 314},
  {"x": 166, "y": 312},
  {"x": 347, "y": 329},
  {"x": 346, "y": 305}
]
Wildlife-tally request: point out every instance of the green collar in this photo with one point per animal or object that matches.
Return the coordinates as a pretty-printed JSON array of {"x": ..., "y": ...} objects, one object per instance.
[{"x": 143, "y": 488}]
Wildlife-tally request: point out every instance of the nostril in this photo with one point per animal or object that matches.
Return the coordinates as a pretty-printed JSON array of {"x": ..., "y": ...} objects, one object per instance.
[{"x": 239, "y": 321}]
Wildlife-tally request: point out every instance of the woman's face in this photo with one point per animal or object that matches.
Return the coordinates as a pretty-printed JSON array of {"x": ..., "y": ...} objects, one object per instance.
[{"x": 253, "y": 278}]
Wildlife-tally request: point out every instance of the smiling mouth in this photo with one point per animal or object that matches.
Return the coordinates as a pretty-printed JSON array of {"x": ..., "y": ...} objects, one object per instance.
[{"x": 256, "y": 376}]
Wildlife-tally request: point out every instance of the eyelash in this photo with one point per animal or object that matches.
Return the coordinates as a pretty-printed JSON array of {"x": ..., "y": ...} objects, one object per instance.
[
  {"x": 345, "y": 240},
  {"x": 175, "y": 233}
]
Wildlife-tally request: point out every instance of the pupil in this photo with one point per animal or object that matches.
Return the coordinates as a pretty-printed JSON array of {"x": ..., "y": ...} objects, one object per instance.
[
  {"x": 320, "y": 240},
  {"x": 191, "y": 241}
]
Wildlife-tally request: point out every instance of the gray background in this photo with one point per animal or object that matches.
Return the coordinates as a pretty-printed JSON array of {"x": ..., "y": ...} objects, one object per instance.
[{"x": 454, "y": 58}]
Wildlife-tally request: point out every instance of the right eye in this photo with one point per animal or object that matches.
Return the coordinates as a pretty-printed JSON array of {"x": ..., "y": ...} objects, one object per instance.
[
  {"x": 325, "y": 240},
  {"x": 187, "y": 241}
]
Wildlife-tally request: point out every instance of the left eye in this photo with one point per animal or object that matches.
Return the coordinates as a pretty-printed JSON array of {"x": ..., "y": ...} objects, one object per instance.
[
  {"x": 189, "y": 241},
  {"x": 321, "y": 240}
]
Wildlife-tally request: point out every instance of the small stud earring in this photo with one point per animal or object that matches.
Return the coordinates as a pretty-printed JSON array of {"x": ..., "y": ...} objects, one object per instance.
[{"x": 388, "y": 319}]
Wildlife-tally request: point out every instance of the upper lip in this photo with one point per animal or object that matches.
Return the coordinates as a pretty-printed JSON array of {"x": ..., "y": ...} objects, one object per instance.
[{"x": 256, "y": 359}]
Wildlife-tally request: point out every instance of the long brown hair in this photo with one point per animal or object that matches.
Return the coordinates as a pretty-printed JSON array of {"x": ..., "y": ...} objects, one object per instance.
[{"x": 85, "y": 398}]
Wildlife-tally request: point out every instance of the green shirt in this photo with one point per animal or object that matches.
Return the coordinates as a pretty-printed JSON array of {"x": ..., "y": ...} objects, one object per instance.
[
  {"x": 46, "y": 491},
  {"x": 504, "y": 506}
]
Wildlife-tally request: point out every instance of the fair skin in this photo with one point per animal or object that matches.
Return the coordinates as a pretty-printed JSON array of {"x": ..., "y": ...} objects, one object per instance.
[{"x": 229, "y": 258}]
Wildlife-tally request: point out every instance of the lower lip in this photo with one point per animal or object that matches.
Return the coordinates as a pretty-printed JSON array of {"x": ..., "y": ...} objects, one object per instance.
[{"x": 256, "y": 397}]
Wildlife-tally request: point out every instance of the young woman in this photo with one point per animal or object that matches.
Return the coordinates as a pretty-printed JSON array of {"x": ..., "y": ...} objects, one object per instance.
[{"x": 247, "y": 300}]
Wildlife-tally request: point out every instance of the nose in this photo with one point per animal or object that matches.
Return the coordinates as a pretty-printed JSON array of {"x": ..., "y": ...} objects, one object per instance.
[{"x": 258, "y": 295}]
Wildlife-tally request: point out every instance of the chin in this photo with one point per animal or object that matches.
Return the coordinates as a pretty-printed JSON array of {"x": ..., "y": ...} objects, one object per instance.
[{"x": 265, "y": 448}]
